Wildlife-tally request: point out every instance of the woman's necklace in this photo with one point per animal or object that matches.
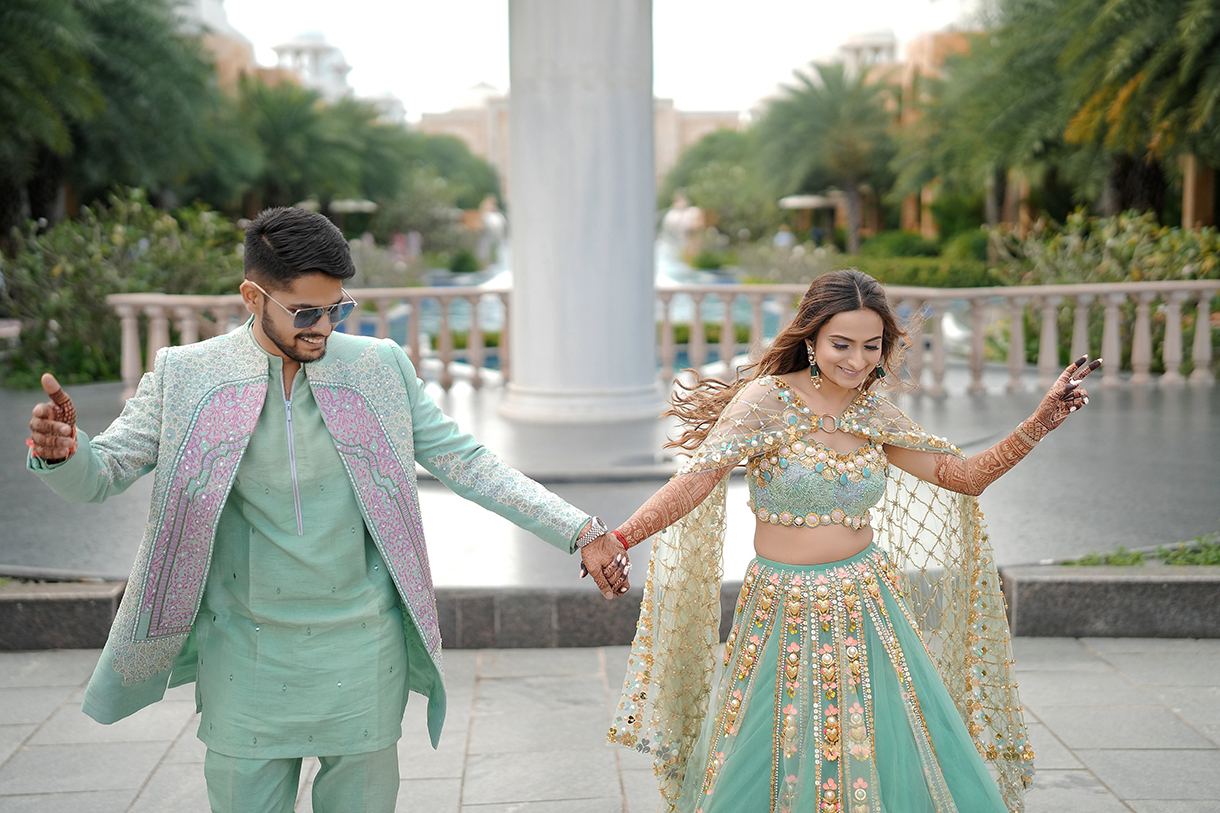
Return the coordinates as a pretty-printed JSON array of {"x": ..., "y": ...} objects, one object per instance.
[{"x": 827, "y": 422}]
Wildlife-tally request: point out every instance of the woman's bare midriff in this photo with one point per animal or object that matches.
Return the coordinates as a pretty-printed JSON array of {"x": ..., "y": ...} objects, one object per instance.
[{"x": 808, "y": 546}]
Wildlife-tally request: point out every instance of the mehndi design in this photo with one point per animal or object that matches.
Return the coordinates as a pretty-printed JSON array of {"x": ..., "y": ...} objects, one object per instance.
[
  {"x": 674, "y": 500},
  {"x": 45, "y": 438},
  {"x": 974, "y": 474}
]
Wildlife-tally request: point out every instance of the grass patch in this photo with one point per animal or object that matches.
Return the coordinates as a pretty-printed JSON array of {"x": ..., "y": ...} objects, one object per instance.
[
  {"x": 1202, "y": 550},
  {"x": 1122, "y": 557}
]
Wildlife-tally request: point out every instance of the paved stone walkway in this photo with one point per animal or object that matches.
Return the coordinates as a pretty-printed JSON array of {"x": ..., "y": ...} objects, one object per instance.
[{"x": 1119, "y": 725}]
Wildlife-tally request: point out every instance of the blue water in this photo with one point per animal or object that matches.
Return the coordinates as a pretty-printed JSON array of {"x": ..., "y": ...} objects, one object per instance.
[{"x": 491, "y": 309}]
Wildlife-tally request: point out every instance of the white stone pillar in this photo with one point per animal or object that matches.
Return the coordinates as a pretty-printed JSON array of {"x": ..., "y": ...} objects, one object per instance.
[{"x": 583, "y": 335}]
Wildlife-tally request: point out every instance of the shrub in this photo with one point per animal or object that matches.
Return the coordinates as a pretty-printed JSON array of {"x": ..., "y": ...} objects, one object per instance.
[
  {"x": 898, "y": 244},
  {"x": 464, "y": 261},
  {"x": 711, "y": 332},
  {"x": 57, "y": 281},
  {"x": 461, "y": 339},
  {"x": 930, "y": 272},
  {"x": 968, "y": 245},
  {"x": 1129, "y": 247},
  {"x": 711, "y": 259}
]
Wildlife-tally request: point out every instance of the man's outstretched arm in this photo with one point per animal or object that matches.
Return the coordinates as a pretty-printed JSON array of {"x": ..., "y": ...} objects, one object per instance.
[{"x": 81, "y": 469}]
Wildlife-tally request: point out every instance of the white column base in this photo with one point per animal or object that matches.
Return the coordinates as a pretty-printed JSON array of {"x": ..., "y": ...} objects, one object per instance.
[{"x": 547, "y": 405}]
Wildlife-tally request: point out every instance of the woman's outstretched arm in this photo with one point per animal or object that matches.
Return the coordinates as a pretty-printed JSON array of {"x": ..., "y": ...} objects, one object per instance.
[
  {"x": 674, "y": 500},
  {"x": 973, "y": 474}
]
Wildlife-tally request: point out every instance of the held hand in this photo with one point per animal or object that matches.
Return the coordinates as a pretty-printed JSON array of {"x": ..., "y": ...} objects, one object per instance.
[
  {"x": 605, "y": 560},
  {"x": 53, "y": 427},
  {"x": 1066, "y": 395}
]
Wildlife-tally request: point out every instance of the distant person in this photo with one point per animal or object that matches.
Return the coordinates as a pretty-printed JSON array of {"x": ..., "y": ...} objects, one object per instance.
[
  {"x": 817, "y": 234},
  {"x": 784, "y": 238},
  {"x": 283, "y": 567},
  {"x": 828, "y": 699},
  {"x": 493, "y": 231}
]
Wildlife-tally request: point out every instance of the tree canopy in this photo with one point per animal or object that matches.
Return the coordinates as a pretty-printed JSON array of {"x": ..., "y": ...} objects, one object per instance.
[{"x": 830, "y": 128}]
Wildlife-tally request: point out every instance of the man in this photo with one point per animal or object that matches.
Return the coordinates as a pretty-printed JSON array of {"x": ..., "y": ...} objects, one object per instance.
[{"x": 283, "y": 566}]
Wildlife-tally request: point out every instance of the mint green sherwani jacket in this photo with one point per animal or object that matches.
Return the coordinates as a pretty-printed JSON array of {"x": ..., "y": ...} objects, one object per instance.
[{"x": 190, "y": 422}]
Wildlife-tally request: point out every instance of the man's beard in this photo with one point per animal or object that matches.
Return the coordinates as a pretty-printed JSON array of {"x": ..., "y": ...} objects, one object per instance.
[{"x": 286, "y": 346}]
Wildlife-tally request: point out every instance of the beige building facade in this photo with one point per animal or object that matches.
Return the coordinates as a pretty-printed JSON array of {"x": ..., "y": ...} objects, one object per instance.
[{"x": 482, "y": 122}]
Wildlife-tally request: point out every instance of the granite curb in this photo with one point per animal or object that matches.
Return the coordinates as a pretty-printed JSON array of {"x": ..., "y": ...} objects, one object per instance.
[
  {"x": 57, "y": 615},
  {"x": 1043, "y": 601},
  {"x": 78, "y": 616},
  {"x": 1113, "y": 602}
]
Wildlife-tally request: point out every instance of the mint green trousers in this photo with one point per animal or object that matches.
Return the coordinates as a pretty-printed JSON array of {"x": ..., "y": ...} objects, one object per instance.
[{"x": 355, "y": 783}]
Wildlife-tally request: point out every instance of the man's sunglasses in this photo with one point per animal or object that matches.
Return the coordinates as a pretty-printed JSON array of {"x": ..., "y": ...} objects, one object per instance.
[{"x": 308, "y": 317}]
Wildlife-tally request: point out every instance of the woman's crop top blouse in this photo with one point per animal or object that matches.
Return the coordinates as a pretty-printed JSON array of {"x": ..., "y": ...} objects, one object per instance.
[{"x": 803, "y": 482}]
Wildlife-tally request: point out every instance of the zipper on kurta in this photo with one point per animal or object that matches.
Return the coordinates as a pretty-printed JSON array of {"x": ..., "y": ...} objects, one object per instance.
[{"x": 292, "y": 459}]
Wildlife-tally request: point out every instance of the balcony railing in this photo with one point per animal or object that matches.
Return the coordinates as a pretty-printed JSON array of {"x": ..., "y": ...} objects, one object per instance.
[
  {"x": 443, "y": 315},
  {"x": 926, "y": 309}
]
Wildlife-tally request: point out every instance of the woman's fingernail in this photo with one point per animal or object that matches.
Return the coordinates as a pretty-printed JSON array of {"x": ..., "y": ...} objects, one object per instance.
[
  {"x": 1086, "y": 399},
  {"x": 1071, "y": 409}
]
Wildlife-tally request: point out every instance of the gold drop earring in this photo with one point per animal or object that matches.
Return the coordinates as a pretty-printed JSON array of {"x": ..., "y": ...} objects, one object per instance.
[{"x": 815, "y": 375}]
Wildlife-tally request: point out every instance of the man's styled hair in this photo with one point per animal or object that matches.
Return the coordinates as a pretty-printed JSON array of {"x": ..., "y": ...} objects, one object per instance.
[{"x": 285, "y": 243}]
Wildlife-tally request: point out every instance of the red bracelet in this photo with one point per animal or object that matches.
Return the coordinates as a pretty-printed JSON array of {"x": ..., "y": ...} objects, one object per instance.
[{"x": 622, "y": 540}]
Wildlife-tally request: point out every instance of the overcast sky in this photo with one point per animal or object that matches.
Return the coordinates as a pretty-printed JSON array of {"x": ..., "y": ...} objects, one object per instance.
[{"x": 709, "y": 54}]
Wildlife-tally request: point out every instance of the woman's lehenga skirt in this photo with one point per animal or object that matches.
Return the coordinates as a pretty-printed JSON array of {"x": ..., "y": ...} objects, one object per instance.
[{"x": 828, "y": 702}]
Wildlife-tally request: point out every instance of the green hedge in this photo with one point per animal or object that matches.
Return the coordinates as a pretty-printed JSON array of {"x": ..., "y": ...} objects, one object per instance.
[
  {"x": 898, "y": 244},
  {"x": 711, "y": 332},
  {"x": 57, "y": 281},
  {"x": 461, "y": 339},
  {"x": 929, "y": 272},
  {"x": 1130, "y": 247}
]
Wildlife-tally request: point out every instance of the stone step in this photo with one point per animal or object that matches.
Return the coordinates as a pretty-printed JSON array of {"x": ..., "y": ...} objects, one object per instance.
[
  {"x": 1113, "y": 602},
  {"x": 57, "y": 615}
]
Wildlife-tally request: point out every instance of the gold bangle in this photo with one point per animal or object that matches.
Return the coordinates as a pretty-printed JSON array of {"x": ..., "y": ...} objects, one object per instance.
[{"x": 1025, "y": 436}]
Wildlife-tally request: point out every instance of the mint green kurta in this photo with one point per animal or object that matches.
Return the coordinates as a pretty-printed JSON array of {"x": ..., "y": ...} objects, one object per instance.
[
  {"x": 190, "y": 424},
  {"x": 300, "y": 633}
]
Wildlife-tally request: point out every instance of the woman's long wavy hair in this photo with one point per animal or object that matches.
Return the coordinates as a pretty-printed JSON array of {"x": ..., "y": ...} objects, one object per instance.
[{"x": 833, "y": 292}]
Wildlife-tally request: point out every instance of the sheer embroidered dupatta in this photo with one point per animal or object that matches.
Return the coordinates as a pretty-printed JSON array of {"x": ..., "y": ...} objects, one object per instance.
[
  {"x": 938, "y": 539},
  {"x": 935, "y": 536}
]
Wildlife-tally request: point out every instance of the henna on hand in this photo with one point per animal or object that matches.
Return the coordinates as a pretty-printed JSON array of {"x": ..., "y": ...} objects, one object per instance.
[
  {"x": 975, "y": 473},
  {"x": 1064, "y": 397},
  {"x": 53, "y": 426},
  {"x": 674, "y": 500},
  {"x": 605, "y": 560}
]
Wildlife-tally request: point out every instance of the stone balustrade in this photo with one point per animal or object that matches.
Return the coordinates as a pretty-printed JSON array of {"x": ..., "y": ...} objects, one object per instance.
[
  {"x": 201, "y": 317},
  {"x": 198, "y": 317},
  {"x": 984, "y": 305}
]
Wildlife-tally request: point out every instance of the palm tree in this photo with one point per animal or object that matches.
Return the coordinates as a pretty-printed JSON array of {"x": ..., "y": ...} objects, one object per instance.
[
  {"x": 1003, "y": 106},
  {"x": 44, "y": 84},
  {"x": 305, "y": 150},
  {"x": 1147, "y": 86},
  {"x": 156, "y": 85},
  {"x": 830, "y": 128},
  {"x": 1148, "y": 76}
]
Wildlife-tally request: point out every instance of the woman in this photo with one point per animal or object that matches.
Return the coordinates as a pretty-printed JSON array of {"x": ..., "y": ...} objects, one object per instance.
[{"x": 829, "y": 700}]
